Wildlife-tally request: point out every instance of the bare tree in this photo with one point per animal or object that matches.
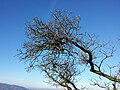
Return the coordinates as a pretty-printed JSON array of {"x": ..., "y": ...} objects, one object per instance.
[
  {"x": 110, "y": 85},
  {"x": 58, "y": 47},
  {"x": 61, "y": 72}
]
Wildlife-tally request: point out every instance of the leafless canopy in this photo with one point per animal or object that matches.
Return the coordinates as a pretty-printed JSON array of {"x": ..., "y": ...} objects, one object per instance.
[{"x": 58, "y": 47}]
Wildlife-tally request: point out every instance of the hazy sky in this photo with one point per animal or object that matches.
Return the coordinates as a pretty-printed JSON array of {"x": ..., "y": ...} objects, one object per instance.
[{"x": 101, "y": 17}]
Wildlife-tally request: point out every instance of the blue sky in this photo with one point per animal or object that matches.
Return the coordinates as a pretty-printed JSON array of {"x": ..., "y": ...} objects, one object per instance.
[{"x": 101, "y": 17}]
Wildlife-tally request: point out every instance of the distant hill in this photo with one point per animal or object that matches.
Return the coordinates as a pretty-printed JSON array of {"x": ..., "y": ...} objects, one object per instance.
[
  {"x": 45, "y": 89},
  {"x": 4, "y": 86}
]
